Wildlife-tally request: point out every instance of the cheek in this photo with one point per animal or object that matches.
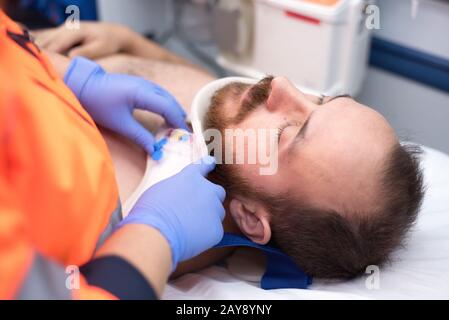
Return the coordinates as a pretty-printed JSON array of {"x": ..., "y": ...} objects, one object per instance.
[
  {"x": 297, "y": 174},
  {"x": 257, "y": 120},
  {"x": 272, "y": 184}
]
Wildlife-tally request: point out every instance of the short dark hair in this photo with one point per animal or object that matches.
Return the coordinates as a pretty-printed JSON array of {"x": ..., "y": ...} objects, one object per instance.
[{"x": 331, "y": 244}]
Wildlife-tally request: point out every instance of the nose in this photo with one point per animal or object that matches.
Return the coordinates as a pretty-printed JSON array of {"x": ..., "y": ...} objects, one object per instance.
[{"x": 285, "y": 96}]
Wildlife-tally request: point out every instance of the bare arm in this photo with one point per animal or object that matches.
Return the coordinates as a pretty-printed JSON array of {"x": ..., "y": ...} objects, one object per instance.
[
  {"x": 143, "y": 247},
  {"x": 140, "y": 46}
]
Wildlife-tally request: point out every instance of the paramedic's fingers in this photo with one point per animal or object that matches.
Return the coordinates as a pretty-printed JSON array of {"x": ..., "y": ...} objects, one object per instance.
[
  {"x": 187, "y": 210},
  {"x": 138, "y": 133},
  {"x": 207, "y": 164},
  {"x": 154, "y": 98},
  {"x": 110, "y": 99},
  {"x": 219, "y": 192},
  {"x": 204, "y": 166}
]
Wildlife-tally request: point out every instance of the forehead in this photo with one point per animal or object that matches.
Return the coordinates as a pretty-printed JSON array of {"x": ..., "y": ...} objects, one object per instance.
[{"x": 340, "y": 161}]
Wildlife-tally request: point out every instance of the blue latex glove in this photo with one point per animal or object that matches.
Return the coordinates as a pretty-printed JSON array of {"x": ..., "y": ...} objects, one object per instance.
[
  {"x": 110, "y": 99},
  {"x": 186, "y": 208}
]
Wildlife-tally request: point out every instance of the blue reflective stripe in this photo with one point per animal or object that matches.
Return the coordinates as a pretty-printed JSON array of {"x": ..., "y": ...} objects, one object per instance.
[
  {"x": 119, "y": 277},
  {"x": 281, "y": 271}
]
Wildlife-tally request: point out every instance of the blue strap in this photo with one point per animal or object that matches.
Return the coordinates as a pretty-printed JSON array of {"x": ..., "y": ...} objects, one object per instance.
[{"x": 281, "y": 271}]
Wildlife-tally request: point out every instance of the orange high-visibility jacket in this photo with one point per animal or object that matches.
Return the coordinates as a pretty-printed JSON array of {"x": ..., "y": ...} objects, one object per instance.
[{"x": 57, "y": 186}]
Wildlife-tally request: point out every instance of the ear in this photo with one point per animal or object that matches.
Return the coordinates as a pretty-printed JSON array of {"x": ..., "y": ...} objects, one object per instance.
[{"x": 252, "y": 219}]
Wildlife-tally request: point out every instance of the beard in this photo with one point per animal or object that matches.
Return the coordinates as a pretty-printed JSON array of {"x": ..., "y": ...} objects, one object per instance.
[{"x": 250, "y": 98}]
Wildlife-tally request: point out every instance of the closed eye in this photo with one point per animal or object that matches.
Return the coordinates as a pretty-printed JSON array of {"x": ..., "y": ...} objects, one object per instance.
[{"x": 284, "y": 126}]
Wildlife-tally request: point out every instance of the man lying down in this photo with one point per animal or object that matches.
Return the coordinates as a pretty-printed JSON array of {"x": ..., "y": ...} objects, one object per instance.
[{"x": 343, "y": 194}]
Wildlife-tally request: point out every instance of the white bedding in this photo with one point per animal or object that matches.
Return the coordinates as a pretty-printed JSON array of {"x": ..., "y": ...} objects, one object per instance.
[{"x": 420, "y": 271}]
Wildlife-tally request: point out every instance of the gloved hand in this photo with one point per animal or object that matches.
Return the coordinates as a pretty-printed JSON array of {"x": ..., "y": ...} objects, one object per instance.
[
  {"x": 186, "y": 208},
  {"x": 111, "y": 98}
]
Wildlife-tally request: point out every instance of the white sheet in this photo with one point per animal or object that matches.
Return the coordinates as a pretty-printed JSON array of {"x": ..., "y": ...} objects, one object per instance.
[{"x": 420, "y": 271}]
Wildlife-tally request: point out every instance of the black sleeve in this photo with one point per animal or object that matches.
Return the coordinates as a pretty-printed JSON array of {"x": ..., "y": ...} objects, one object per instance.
[{"x": 119, "y": 277}]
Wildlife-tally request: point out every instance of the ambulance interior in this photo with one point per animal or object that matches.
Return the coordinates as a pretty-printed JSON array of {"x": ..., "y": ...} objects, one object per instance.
[{"x": 390, "y": 55}]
